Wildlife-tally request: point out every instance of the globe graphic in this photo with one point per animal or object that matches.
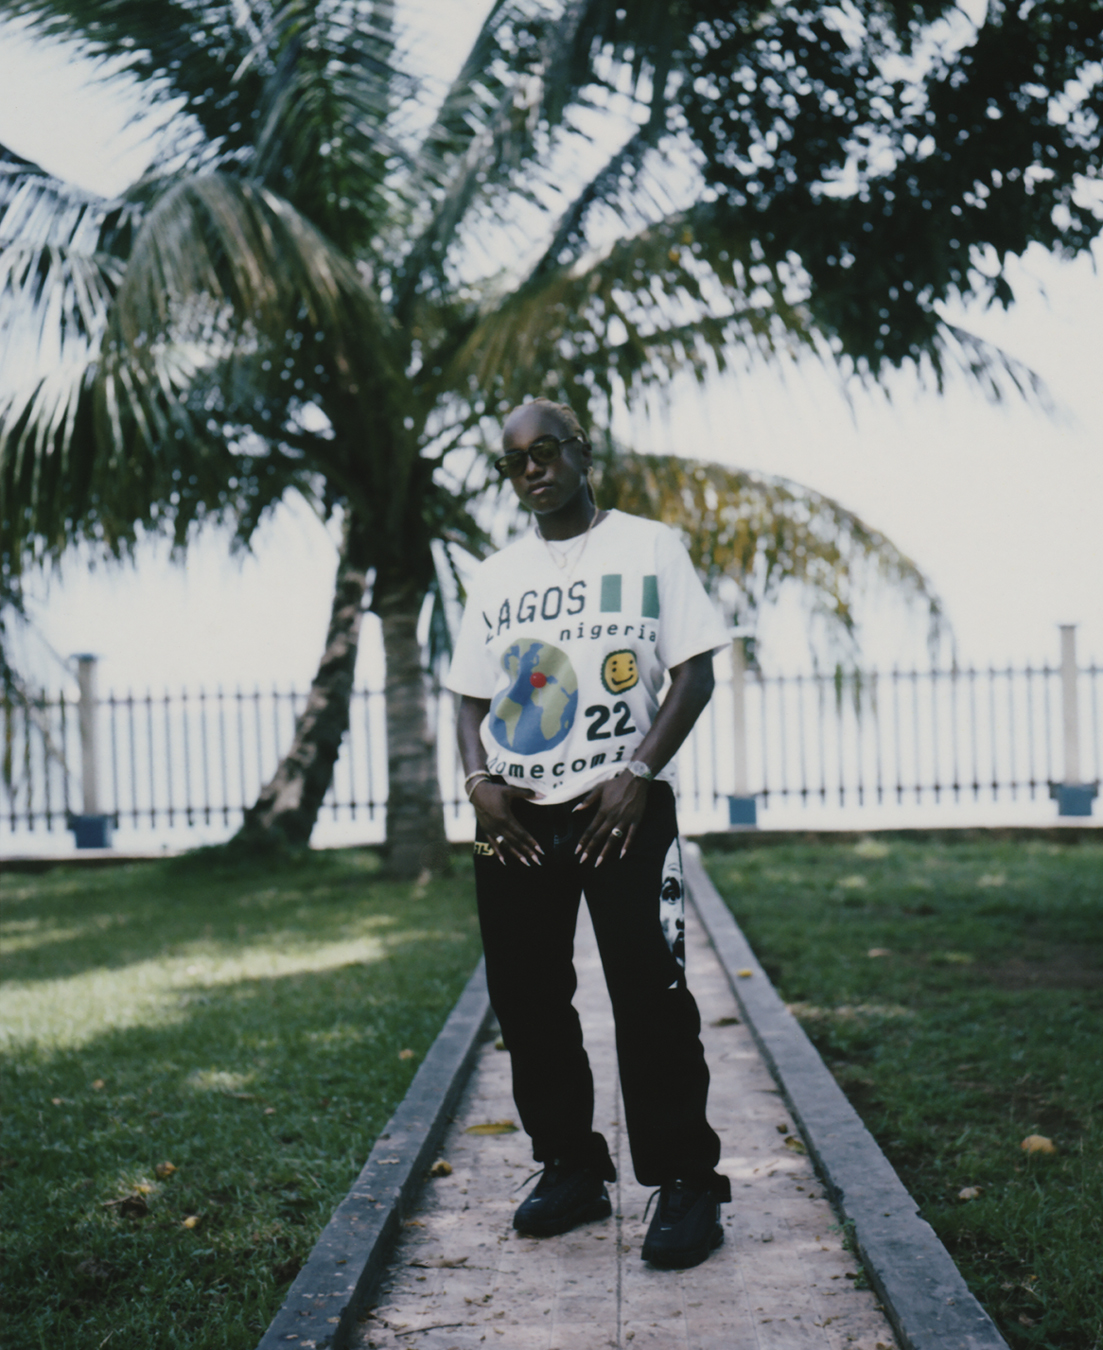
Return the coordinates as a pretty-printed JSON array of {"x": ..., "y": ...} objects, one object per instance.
[{"x": 538, "y": 708}]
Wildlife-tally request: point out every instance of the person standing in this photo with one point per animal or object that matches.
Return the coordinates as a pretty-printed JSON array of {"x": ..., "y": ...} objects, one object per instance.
[{"x": 566, "y": 639}]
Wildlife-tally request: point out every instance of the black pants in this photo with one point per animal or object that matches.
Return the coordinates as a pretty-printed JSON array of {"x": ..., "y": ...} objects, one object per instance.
[{"x": 528, "y": 916}]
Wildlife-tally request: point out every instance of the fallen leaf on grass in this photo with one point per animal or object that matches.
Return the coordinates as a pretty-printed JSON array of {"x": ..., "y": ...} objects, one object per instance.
[
  {"x": 1026, "y": 1321},
  {"x": 144, "y": 1188},
  {"x": 969, "y": 1192},
  {"x": 56, "y": 1101},
  {"x": 853, "y": 883},
  {"x": 440, "y": 1168},
  {"x": 1038, "y": 1143},
  {"x": 164, "y": 1169},
  {"x": 493, "y": 1127},
  {"x": 405, "y": 1054},
  {"x": 440, "y": 1263},
  {"x": 192, "y": 1221},
  {"x": 871, "y": 848},
  {"x": 725, "y": 1022},
  {"x": 98, "y": 1084},
  {"x": 797, "y": 1146},
  {"x": 269, "y": 1110},
  {"x": 878, "y": 951}
]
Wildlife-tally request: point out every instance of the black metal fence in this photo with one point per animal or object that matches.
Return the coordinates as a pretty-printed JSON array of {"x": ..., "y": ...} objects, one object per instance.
[
  {"x": 862, "y": 738},
  {"x": 184, "y": 759}
]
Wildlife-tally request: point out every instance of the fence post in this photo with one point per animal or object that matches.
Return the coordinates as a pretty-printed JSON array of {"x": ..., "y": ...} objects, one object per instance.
[
  {"x": 742, "y": 808},
  {"x": 1074, "y": 798},
  {"x": 91, "y": 829}
]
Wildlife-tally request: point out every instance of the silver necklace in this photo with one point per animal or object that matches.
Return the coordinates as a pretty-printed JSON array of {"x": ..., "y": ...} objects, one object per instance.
[{"x": 562, "y": 560}]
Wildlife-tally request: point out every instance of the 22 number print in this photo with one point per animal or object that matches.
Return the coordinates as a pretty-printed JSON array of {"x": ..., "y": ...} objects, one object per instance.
[{"x": 601, "y": 714}]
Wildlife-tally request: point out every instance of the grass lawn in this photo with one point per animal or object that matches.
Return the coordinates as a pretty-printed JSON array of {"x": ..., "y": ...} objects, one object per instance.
[
  {"x": 198, "y": 1058},
  {"x": 955, "y": 989}
]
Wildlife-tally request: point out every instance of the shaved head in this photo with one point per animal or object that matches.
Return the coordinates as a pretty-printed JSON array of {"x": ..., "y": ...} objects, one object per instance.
[{"x": 538, "y": 417}]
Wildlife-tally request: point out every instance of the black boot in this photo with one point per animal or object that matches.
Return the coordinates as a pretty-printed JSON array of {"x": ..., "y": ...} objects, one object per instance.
[
  {"x": 686, "y": 1226},
  {"x": 570, "y": 1192}
]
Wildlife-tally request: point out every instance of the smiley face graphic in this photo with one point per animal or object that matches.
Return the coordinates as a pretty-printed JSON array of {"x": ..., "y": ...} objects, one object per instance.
[{"x": 620, "y": 671}]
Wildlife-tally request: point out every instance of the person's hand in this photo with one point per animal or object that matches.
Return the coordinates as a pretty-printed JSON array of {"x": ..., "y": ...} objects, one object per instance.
[
  {"x": 493, "y": 803},
  {"x": 620, "y": 803}
]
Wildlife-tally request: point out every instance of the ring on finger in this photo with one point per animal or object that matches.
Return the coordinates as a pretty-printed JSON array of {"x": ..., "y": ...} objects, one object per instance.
[
  {"x": 499, "y": 838},
  {"x": 617, "y": 832}
]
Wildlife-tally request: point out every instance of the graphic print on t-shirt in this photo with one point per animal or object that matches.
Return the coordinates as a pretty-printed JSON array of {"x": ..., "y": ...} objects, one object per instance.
[
  {"x": 538, "y": 708},
  {"x": 572, "y": 667},
  {"x": 620, "y": 671}
]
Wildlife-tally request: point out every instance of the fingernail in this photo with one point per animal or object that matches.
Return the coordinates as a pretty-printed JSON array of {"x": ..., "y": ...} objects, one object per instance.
[
  {"x": 525, "y": 861},
  {"x": 577, "y": 849},
  {"x": 597, "y": 864},
  {"x": 583, "y": 858},
  {"x": 539, "y": 850}
]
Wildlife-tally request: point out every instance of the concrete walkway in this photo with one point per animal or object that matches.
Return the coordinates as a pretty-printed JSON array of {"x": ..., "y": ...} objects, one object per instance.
[{"x": 462, "y": 1278}]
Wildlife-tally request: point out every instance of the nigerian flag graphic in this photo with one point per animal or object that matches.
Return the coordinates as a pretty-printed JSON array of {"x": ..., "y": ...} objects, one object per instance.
[{"x": 538, "y": 708}]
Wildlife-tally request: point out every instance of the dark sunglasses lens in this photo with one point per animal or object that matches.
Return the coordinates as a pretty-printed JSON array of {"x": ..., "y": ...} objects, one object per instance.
[
  {"x": 542, "y": 451},
  {"x": 509, "y": 466}
]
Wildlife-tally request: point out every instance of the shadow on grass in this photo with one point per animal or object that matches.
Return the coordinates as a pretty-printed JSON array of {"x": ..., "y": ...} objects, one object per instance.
[
  {"x": 264, "y": 1094},
  {"x": 63, "y": 922}
]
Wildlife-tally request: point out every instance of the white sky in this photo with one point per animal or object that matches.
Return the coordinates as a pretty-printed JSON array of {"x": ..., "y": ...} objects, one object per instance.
[{"x": 1002, "y": 506}]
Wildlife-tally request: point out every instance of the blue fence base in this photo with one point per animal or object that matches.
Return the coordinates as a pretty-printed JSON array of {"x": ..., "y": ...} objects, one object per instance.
[
  {"x": 1074, "y": 799},
  {"x": 742, "y": 811},
  {"x": 91, "y": 831}
]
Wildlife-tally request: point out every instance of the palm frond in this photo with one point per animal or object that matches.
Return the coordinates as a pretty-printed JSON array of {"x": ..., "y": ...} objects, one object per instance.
[
  {"x": 222, "y": 266},
  {"x": 183, "y": 53},
  {"x": 678, "y": 295},
  {"x": 323, "y": 140},
  {"x": 493, "y": 140},
  {"x": 763, "y": 533}
]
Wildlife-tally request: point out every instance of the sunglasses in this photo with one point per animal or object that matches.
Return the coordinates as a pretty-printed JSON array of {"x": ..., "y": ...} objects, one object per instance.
[{"x": 542, "y": 451}]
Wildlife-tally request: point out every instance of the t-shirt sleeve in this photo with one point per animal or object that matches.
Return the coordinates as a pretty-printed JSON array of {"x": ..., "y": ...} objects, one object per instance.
[
  {"x": 471, "y": 670},
  {"x": 689, "y": 623}
]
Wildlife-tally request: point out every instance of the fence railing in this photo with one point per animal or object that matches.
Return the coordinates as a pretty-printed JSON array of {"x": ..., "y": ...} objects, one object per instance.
[
  {"x": 857, "y": 738},
  {"x": 863, "y": 738}
]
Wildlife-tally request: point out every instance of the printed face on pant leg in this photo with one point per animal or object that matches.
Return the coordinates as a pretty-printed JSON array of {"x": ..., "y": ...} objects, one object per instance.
[{"x": 672, "y": 904}]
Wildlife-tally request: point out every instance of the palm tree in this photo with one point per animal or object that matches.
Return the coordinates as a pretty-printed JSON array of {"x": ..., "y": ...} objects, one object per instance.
[{"x": 331, "y": 280}]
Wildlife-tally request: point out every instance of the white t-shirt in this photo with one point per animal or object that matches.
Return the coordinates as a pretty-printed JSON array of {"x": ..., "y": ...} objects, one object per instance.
[{"x": 573, "y": 659}]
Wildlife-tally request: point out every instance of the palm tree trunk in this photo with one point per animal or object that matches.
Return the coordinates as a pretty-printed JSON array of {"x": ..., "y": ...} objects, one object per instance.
[
  {"x": 415, "y": 816},
  {"x": 288, "y": 805}
]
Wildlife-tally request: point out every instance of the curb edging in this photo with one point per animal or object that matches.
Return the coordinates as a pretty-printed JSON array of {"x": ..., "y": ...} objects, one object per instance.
[
  {"x": 351, "y": 1254},
  {"x": 923, "y": 1293}
]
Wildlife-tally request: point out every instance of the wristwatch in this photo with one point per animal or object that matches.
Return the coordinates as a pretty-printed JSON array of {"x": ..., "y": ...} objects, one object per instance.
[{"x": 639, "y": 769}]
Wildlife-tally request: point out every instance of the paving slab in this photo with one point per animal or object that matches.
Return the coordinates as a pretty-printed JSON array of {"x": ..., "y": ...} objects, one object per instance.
[{"x": 461, "y": 1278}]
